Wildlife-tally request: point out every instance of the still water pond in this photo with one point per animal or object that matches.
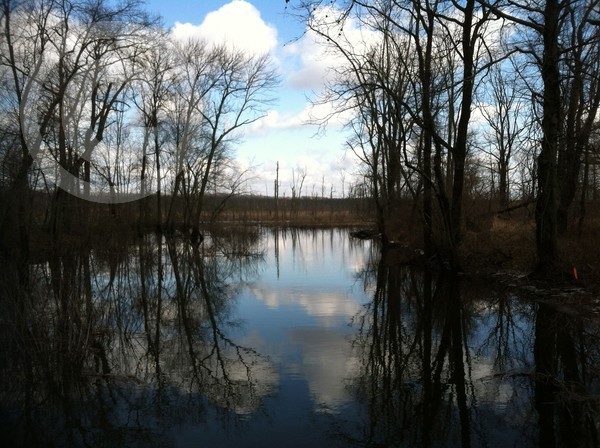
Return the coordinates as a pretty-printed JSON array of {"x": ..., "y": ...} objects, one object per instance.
[{"x": 269, "y": 338}]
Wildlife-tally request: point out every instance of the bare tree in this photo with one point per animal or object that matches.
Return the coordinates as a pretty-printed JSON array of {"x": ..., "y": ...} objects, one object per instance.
[
  {"x": 196, "y": 76},
  {"x": 152, "y": 92},
  {"x": 298, "y": 177},
  {"x": 506, "y": 115},
  {"x": 581, "y": 99},
  {"x": 241, "y": 90},
  {"x": 70, "y": 63},
  {"x": 438, "y": 49},
  {"x": 546, "y": 22}
]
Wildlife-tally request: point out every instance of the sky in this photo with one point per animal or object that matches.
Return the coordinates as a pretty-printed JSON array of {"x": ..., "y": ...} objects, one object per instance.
[{"x": 283, "y": 135}]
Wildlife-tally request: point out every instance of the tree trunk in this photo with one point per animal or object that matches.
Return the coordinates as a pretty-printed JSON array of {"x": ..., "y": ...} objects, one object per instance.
[
  {"x": 582, "y": 201},
  {"x": 546, "y": 205},
  {"x": 159, "y": 222},
  {"x": 143, "y": 203},
  {"x": 504, "y": 195},
  {"x": 460, "y": 146},
  {"x": 16, "y": 206}
]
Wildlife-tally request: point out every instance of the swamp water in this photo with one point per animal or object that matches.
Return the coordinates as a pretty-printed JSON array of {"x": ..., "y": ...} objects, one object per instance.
[{"x": 272, "y": 338}]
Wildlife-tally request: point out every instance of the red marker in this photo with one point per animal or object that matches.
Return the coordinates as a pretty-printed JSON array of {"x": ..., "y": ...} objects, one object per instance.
[{"x": 575, "y": 273}]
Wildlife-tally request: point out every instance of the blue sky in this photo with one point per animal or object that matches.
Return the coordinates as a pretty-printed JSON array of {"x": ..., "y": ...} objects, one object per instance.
[{"x": 283, "y": 136}]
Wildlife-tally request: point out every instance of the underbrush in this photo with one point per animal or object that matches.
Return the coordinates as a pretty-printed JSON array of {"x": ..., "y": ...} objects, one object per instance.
[
  {"x": 503, "y": 244},
  {"x": 508, "y": 244}
]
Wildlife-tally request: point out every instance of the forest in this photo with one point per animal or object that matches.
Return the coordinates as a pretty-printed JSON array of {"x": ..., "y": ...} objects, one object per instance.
[
  {"x": 466, "y": 116},
  {"x": 461, "y": 99}
]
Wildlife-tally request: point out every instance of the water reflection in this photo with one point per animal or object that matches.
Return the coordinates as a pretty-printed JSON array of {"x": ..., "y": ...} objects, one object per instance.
[
  {"x": 113, "y": 348},
  {"x": 566, "y": 386},
  {"x": 449, "y": 364},
  {"x": 283, "y": 338}
]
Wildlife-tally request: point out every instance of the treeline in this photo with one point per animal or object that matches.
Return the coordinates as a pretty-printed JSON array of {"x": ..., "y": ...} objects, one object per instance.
[
  {"x": 451, "y": 98},
  {"x": 104, "y": 221},
  {"x": 302, "y": 211},
  {"x": 99, "y": 104}
]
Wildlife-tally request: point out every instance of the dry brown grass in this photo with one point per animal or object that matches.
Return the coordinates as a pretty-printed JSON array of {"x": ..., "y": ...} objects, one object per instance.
[
  {"x": 508, "y": 243},
  {"x": 302, "y": 218},
  {"x": 504, "y": 244}
]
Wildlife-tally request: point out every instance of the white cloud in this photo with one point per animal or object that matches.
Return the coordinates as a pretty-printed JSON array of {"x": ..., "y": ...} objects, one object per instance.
[
  {"x": 296, "y": 149},
  {"x": 315, "y": 64},
  {"x": 237, "y": 23},
  {"x": 276, "y": 120},
  {"x": 326, "y": 358},
  {"x": 318, "y": 57},
  {"x": 282, "y": 135},
  {"x": 327, "y": 306},
  {"x": 312, "y": 115}
]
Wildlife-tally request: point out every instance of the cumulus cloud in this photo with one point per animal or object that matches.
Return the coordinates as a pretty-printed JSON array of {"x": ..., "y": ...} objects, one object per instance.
[
  {"x": 237, "y": 23},
  {"x": 311, "y": 63}
]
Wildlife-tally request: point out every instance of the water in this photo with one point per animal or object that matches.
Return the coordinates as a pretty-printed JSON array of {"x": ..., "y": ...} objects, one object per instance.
[{"x": 284, "y": 338}]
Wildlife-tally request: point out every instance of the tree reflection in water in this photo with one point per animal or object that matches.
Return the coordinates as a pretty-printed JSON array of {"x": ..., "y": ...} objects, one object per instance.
[
  {"x": 110, "y": 347},
  {"x": 445, "y": 362},
  {"x": 136, "y": 344}
]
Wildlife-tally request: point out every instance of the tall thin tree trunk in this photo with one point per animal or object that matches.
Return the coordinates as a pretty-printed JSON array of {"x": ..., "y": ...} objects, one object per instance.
[
  {"x": 143, "y": 203},
  {"x": 584, "y": 188},
  {"x": 546, "y": 205},
  {"x": 460, "y": 147},
  {"x": 159, "y": 222}
]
